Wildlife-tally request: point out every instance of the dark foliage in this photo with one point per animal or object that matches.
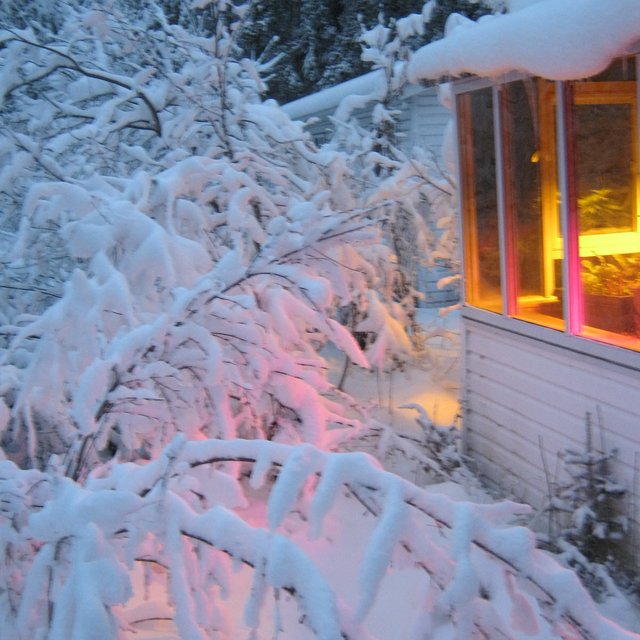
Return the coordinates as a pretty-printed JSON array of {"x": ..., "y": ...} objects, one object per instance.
[{"x": 317, "y": 41}]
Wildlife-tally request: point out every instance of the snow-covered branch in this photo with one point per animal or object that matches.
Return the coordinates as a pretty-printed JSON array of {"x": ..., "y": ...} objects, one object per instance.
[
  {"x": 183, "y": 512},
  {"x": 62, "y": 60}
]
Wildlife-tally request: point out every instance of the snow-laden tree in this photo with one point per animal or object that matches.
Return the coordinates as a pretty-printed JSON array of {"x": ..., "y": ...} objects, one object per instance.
[
  {"x": 420, "y": 221},
  {"x": 315, "y": 42},
  {"x": 193, "y": 240},
  {"x": 196, "y": 547},
  {"x": 173, "y": 254}
]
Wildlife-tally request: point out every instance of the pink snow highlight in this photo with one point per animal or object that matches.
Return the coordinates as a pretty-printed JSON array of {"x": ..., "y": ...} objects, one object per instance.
[{"x": 555, "y": 39}]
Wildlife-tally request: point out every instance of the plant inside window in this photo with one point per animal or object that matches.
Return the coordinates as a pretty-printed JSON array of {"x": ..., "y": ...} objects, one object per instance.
[
  {"x": 611, "y": 285},
  {"x": 612, "y": 275},
  {"x": 601, "y": 210}
]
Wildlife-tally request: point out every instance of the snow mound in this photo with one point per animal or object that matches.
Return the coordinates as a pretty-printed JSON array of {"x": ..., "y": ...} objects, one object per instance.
[{"x": 555, "y": 39}]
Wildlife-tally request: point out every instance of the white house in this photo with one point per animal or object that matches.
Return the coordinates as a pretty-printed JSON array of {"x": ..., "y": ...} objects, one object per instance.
[
  {"x": 421, "y": 121},
  {"x": 421, "y": 117},
  {"x": 546, "y": 107}
]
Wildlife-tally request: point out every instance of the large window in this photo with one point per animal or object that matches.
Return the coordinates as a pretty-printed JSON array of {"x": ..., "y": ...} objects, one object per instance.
[
  {"x": 552, "y": 236},
  {"x": 602, "y": 116},
  {"x": 531, "y": 205},
  {"x": 482, "y": 245}
]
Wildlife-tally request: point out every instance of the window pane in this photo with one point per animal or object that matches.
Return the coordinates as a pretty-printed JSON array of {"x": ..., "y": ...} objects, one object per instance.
[
  {"x": 604, "y": 122},
  {"x": 534, "y": 243},
  {"x": 479, "y": 199},
  {"x": 604, "y": 167},
  {"x": 611, "y": 289}
]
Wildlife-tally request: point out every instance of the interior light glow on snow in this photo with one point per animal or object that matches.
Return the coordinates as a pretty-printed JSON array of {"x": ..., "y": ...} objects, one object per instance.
[{"x": 554, "y": 39}]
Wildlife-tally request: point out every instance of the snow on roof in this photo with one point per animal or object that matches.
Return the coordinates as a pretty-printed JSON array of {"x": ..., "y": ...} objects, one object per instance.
[
  {"x": 369, "y": 84},
  {"x": 555, "y": 39}
]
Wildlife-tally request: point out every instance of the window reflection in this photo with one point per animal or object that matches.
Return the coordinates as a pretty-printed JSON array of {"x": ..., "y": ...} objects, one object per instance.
[
  {"x": 604, "y": 126},
  {"x": 604, "y": 166},
  {"x": 531, "y": 202},
  {"x": 479, "y": 194}
]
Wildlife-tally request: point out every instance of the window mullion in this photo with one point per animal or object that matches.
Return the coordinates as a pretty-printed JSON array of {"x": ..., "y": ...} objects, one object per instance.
[
  {"x": 572, "y": 298},
  {"x": 506, "y": 275},
  {"x": 636, "y": 115}
]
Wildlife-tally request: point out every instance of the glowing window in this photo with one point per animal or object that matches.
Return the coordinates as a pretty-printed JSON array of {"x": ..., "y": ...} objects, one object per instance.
[
  {"x": 513, "y": 247},
  {"x": 479, "y": 199},
  {"x": 531, "y": 211},
  {"x": 602, "y": 119}
]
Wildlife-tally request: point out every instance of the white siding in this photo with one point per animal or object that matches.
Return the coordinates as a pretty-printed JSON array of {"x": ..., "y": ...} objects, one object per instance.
[
  {"x": 322, "y": 128},
  {"x": 423, "y": 121},
  {"x": 421, "y": 118},
  {"x": 428, "y": 278},
  {"x": 524, "y": 398}
]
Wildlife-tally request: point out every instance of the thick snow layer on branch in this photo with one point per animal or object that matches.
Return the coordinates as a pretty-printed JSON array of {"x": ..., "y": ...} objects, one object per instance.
[
  {"x": 453, "y": 553},
  {"x": 367, "y": 86},
  {"x": 288, "y": 566},
  {"x": 290, "y": 482},
  {"x": 393, "y": 520},
  {"x": 555, "y": 39}
]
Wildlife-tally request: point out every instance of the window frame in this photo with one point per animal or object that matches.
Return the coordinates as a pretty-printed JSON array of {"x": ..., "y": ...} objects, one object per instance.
[
  {"x": 572, "y": 335},
  {"x": 550, "y": 234},
  {"x": 468, "y": 208}
]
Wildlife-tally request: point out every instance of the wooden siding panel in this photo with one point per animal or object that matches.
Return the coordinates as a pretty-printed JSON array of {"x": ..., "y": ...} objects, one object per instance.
[
  {"x": 518, "y": 390},
  {"x": 599, "y": 381},
  {"x": 502, "y": 431},
  {"x": 529, "y": 420},
  {"x": 422, "y": 121},
  {"x": 524, "y": 381},
  {"x": 517, "y": 480},
  {"x": 619, "y": 420}
]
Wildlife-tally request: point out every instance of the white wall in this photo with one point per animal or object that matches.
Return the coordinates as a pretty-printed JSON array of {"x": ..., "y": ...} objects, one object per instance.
[
  {"x": 528, "y": 396},
  {"x": 421, "y": 118}
]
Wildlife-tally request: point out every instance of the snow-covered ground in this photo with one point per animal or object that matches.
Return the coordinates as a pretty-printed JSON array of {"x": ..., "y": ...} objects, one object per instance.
[
  {"x": 432, "y": 382},
  {"x": 341, "y": 550}
]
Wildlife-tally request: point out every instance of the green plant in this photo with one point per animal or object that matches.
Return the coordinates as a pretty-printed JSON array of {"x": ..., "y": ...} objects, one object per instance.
[
  {"x": 587, "y": 523},
  {"x": 600, "y": 209},
  {"x": 611, "y": 275}
]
